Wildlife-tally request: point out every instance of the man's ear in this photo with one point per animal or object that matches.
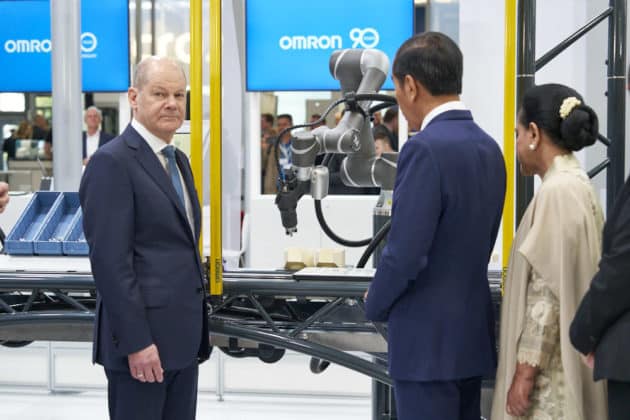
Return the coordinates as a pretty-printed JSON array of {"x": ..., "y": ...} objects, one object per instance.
[
  {"x": 410, "y": 87},
  {"x": 132, "y": 96}
]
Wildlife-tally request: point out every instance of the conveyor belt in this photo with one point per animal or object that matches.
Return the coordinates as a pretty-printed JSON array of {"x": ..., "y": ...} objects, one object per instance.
[{"x": 261, "y": 314}]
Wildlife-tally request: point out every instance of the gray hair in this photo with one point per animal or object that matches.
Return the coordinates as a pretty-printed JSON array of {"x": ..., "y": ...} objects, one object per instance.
[
  {"x": 98, "y": 111},
  {"x": 141, "y": 75}
]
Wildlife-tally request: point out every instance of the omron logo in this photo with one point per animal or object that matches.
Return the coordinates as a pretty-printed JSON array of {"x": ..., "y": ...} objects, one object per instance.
[
  {"x": 89, "y": 42},
  {"x": 310, "y": 42},
  {"x": 361, "y": 38},
  {"x": 21, "y": 46}
]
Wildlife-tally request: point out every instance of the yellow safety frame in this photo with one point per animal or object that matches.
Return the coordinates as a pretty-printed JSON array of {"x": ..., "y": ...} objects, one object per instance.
[
  {"x": 216, "y": 250},
  {"x": 196, "y": 129},
  {"x": 196, "y": 105},
  {"x": 509, "y": 106}
]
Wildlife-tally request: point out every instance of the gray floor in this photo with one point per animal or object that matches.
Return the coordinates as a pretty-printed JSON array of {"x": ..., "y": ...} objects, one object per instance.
[{"x": 26, "y": 405}]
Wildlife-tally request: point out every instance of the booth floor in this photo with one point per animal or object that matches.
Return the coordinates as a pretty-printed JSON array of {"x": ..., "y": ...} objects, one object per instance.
[{"x": 26, "y": 405}]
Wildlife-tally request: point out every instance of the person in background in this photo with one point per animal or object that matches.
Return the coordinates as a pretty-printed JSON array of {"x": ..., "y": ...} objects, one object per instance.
[
  {"x": 4, "y": 196},
  {"x": 266, "y": 129},
  {"x": 316, "y": 117},
  {"x": 93, "y": 137},
  {"x": 377, "y": 119},
  {"x": 389, "y": 127},
  {"x": 431, "y": 283},
  {"x": 40, "y": 127},
  {"x": 142, "y": 220},
  {"x": 267, "y": 133},
  {"x": 270, "y": 184},
  {"x": 382, "y": 145},
  {"x": 6, "y": 141},
  {"x": 554, "y": 256},
  {"x": 48, "y": 148},
  {"x": 24, "y": 132}
]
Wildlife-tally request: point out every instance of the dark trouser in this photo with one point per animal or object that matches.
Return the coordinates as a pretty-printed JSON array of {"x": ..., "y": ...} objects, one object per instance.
[
  {"x": 451, "y": 400},
  {"x": 618, "y": 400},
  {"x": 173, "y": 399}
]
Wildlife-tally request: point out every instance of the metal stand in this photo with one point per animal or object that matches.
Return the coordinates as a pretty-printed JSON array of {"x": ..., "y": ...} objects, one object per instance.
[{"x": 383, "y": 403}]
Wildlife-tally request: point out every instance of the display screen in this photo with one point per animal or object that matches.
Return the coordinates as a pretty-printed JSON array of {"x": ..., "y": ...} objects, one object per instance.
[
  {"x": 289, "y": 42},
  {"x": 25, "y": 46}
]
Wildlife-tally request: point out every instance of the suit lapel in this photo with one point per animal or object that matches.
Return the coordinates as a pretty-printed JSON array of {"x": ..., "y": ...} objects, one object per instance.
[{"x": 151, "y": 164}]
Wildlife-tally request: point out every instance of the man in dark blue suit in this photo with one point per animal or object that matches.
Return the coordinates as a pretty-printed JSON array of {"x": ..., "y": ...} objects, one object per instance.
[
  {"x": 142, "y": 222},
  {"x": 94, "y": 137},
  {"x": 431, "y": 284},
  {"x": 601, "y": 327}
]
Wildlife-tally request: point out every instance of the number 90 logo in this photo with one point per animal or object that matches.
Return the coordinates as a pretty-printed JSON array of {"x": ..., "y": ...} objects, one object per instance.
[{"x": 364, "y": 38}]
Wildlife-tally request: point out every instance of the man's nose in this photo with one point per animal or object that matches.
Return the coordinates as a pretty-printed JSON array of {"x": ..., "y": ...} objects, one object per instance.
[{"x": 171, "y": 100}]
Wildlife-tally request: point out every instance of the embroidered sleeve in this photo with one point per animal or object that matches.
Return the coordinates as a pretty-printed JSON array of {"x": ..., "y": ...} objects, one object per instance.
[{"x": 541, "y": 333}]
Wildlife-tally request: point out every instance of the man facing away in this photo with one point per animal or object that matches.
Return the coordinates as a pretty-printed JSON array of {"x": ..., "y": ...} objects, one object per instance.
[
  {"x": 93, "y": 137},
  {"x": 431, "y": 283},
  {"x": 141, "y": 219}
]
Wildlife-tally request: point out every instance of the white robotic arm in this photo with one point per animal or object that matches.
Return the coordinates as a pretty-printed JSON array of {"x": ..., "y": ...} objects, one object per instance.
[{"x": 361, "y": 74}]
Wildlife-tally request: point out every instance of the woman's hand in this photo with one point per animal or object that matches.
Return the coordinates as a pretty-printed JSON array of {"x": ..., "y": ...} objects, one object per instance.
[{"x": 521, "y": 389}]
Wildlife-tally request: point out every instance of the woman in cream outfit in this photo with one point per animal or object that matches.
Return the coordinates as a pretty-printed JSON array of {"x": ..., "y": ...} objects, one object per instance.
[{"x": 554, "y": 256}]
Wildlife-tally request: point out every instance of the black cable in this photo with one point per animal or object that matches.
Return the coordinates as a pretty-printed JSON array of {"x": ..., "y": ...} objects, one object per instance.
[
  {"x": 331, "y": 234},
  {"x": 379, "y": 107},
  {"x": 380, "y": 235},
  {"x": 375, "y": 97}
]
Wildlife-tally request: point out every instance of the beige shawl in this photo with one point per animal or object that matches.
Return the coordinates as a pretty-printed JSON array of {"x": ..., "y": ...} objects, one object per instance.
[{"x": 560, "y": 238}]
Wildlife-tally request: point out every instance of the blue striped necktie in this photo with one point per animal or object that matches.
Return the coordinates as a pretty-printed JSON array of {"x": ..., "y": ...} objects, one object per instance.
[{"x": 171, "y": 166}]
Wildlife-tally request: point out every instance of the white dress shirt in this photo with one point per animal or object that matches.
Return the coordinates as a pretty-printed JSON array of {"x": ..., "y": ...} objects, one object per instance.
[
  {"x": 440, "y": 109},
  {"x": 91, "y": 143},
  {"x": 157, "y": 144}
]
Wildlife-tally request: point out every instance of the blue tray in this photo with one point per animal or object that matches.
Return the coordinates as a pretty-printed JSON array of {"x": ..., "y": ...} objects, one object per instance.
[
  {"x": 30, "y": 223},
  {"x": 74, "y": 243},
  {"x": 57, "y": 225}
]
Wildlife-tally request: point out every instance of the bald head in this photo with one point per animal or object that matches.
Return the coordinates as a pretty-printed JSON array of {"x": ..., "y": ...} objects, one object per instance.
[
  {"x": 146, "y": 67},
  {"x": 158, "y": 96}
]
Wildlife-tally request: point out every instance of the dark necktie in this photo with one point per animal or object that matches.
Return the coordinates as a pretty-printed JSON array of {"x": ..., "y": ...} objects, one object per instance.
[{"x": 171, "y": 167}]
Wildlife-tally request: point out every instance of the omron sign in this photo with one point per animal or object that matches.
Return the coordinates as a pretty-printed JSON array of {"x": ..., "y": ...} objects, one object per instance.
[
  {"x": 37, "y": 46},
  {"x": 25, "y": 49},
  {"x": 289, "y": 42}
]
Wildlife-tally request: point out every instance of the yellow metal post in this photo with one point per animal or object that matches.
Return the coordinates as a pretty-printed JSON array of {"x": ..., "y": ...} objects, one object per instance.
[
  {"x": 196, "y": 105},
  {"x": 216, "y": 266},
  {"x": 509, "y": 107}
]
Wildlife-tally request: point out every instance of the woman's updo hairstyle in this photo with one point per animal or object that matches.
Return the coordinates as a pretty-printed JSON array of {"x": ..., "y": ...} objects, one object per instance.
[{"x": 560, "y": 112}]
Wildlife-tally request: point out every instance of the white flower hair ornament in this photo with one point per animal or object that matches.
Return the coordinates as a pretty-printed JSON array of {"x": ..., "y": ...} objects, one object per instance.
[{"x": 568, "y": 105}]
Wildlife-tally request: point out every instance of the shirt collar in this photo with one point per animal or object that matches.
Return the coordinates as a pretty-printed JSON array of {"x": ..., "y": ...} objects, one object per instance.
[
  {"x": 155, "y": 143},
  {"x": 440, "y": 109}
]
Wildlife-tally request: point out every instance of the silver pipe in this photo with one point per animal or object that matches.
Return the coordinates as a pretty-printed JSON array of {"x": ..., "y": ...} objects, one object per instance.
[{"x": 66, "y": 93}]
